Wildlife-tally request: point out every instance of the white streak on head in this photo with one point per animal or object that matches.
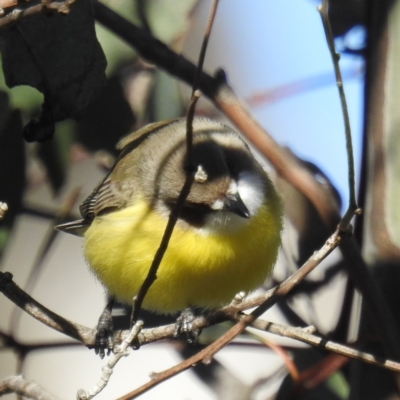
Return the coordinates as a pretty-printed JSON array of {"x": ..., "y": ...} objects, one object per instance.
[{"x": 217, "y": 205}]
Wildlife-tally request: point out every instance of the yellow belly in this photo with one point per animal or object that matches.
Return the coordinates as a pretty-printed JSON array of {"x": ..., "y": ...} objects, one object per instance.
[{"x": 198, "y": 269}]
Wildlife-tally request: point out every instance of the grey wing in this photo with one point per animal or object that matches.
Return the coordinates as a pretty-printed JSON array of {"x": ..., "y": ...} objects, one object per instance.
[
  {"x": 113, "y": 192},
  {"x": 105, "y": 198}
]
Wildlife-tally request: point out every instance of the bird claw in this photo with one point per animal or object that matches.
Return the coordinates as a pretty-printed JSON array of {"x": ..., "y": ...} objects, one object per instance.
[
  {"x": 184, "y": 326},
  {"x": 104, "y": 341},
  {"x": 104, "y": 333}
]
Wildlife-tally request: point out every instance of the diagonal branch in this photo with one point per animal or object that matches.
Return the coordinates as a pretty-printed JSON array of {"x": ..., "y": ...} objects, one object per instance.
[
  {"x": 190, "y": 177},
  {"x": 352, "y": 207}
]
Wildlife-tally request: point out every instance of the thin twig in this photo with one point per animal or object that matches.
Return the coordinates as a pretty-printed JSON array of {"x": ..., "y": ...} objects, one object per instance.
[
  {"x": 108, "y": 369},
  {"x": 22, "y": 387},
  {"x": 195, "y": 93},
  {"x": 86, "y": 335},
  {"x": 152, "y": 274},
  {"x": 382, "y": 317},
  {"x": 352, "y": 207},
  {"x": 41, "y": 313},
  {"x": 302, "y": 334},
  {"x": 190, "y": 176},
  {"x": 306, "y": 337},
  {"x": 26, "y": 10},
  {"x": 280, "y": 291},
  {"x": 204, "y": 45}
]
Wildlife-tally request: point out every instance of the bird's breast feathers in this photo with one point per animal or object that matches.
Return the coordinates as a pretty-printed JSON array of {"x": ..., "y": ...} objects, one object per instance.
[{"x": 202, "y": 267}]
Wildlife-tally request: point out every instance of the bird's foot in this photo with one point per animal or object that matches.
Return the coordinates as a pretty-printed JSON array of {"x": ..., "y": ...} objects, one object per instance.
[{"x": 184, "y": 326}]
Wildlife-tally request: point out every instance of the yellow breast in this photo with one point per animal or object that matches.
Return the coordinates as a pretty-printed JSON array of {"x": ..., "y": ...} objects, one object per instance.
[{"x": 198, "y": 269}]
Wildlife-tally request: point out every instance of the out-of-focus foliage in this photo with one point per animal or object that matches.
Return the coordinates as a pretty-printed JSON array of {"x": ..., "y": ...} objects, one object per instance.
[
  {"x": 169, "y": 21},
  {"x": 107, "y": 118},
  {"x": 60, "y": 56}
]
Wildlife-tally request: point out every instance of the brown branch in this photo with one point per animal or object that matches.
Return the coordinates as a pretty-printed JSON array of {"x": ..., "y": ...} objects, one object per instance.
[
  {"x": 22, "y": 387},
  {"x": 27, "y": 10},
  {"x": 204, "y": 45},
  {"x": 108, "y": 369},
  {"x": 352, "y": 207},
  {"x": 41, "y": 313},
  {"x": 152, "y": 274},
  {"x": 280, "y": 291},
  {"x": 87, "y": 336},
  {"x": 261, "y": 98},
  {"x": 190, "y": 177},
  {"x": 377, "y": 306},
  {"x": 304, "y": 335}
]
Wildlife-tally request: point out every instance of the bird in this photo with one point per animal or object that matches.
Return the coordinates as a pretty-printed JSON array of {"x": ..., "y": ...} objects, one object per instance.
[{"x": 228, "y": 232}]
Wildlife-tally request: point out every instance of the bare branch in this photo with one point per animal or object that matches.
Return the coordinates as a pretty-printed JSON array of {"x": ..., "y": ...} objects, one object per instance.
[
  {"x": 41, "y": 313},
  {"x": 352, "y": 207},
  {"x": 22, "y": 387},
  {"x": 304, "y": 336},
  {"x": 280, "y": 291},
  {"x": 190, "y": 176},
  {"x": 108, "y": 369},
  {"x": 26, "y": 10}
]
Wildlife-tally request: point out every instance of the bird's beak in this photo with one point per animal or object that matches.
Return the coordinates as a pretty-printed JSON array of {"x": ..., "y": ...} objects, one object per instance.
[{"x": 234, "y": 203}]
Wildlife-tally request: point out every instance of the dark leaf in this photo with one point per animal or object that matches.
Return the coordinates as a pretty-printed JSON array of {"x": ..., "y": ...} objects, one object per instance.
[
  {"x": 60, "y": 56},
  {"x": 107, "y": 119}
]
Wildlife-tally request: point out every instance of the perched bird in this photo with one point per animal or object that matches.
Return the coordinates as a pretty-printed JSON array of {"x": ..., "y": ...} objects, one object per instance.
[{"x": 229, "y": 229}]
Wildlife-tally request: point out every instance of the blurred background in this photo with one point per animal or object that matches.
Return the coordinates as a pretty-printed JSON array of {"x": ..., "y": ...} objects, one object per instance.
[{"x": 276, "y": 59}]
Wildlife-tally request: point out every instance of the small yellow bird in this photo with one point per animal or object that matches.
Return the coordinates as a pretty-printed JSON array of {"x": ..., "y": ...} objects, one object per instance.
[{"x": 228, "y": 233}]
